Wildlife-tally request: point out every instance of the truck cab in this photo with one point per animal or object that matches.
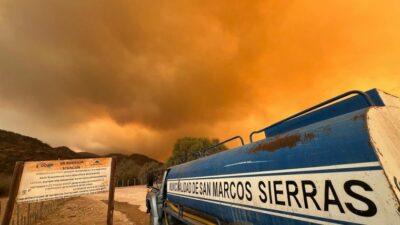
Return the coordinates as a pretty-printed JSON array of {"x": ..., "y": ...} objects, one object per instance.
[{"x": 156, "y": 184}]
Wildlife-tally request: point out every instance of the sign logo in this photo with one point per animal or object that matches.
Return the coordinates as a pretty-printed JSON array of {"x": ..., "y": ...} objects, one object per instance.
[
  {"x": 96, "y": 162},
  {"x": 44, "y": 165}
]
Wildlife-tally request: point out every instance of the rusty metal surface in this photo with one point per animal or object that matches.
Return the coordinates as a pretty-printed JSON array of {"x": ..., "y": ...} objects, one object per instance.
[
  {"x": 366, "y": 98},
  {"x": 284, "y": 141}
]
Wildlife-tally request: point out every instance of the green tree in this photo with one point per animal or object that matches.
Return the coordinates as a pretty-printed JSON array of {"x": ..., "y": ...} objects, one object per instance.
[{"x": 191, "y": 148}]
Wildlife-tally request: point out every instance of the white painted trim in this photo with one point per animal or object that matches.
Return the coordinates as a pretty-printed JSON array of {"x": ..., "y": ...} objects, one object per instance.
[{"x": 341, "y": 166}]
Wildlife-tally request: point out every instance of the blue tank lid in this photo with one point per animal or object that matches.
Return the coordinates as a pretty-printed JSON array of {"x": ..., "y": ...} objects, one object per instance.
[{"x": 339, "y": 108}]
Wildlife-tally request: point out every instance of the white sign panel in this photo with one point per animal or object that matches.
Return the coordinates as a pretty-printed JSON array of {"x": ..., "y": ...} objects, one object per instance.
[{"x": 48, "y": 180}]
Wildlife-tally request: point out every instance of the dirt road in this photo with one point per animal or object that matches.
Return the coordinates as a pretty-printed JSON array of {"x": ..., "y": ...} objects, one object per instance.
[
  {"x": 134, "y": 195},
  {"x": 83, "y": 211},
  {"x": 92, "y": 210},
  {"x": 133, "y": 213},
  {"x": 131, "y": 201}
]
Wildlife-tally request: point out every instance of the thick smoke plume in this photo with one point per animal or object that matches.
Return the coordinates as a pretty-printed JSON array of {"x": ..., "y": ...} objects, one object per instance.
[{"x": 132, "y": 76}]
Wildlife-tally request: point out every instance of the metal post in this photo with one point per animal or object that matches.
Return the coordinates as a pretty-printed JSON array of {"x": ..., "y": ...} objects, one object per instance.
[
  {"x": 18, "y": 169},
  {"x": 110, "y": 211}
]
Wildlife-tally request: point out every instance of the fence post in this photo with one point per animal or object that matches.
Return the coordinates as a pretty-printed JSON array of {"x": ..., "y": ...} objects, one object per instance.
[
  {"x": 41, "y": 210},
  {"x": 34, "y": 212},
  {"x": 14, "y": 187},
  {"x": 17, "y": 213},
  {"x": 29, "y": 214}
]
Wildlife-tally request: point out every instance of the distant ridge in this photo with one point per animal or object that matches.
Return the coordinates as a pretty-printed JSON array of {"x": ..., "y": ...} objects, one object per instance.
[{"x": 16, "y": 147}]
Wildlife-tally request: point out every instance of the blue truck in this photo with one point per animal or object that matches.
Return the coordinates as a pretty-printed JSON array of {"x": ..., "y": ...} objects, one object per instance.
[{"x": 335, "y": 163}]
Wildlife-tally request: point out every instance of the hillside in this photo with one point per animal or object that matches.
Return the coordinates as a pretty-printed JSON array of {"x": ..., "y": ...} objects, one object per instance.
[
  {"x": 135, "y": 166},
  {"x": 16, "y": 147}
]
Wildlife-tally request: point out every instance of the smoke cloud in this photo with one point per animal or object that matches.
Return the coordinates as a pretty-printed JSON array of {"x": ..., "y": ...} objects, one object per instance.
[{"x": 132, "y": 76}]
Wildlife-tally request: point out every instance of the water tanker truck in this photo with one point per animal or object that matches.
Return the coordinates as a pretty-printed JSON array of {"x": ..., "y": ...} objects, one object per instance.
[{"x": 335, "y": 163}]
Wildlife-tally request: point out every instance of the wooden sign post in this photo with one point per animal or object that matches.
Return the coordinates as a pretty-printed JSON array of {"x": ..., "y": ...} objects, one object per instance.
[
  {"x": 16, "y": 180},
  {"x": 111, "y": 191}
]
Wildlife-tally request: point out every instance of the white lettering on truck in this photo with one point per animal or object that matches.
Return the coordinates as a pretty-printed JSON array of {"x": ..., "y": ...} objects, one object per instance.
[{"x": 354, "y": 196}]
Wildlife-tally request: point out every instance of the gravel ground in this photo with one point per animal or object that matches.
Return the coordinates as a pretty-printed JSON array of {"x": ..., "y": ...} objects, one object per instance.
[
  {"x": 83, "y": 211},
  {"x": 134, "y": 195},
  {"x": 129, "y": 204},
  {"x": 130, "y": 207},
  {"x": 131, "y": 201},
  {"x": 133, "y": 213}
]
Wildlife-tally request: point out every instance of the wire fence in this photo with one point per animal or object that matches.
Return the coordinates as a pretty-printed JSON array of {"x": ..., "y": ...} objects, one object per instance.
[
  {"x": 30, "y": 213},
  {"x": 126, "y": 182}
]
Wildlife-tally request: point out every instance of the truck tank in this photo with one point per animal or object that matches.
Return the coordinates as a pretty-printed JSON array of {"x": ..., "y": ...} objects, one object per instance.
[{"x": 335, "y": 165}]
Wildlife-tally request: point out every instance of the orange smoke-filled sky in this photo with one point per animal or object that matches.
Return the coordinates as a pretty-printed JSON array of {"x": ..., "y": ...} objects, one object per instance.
[{"x": 132, "y": 76}]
